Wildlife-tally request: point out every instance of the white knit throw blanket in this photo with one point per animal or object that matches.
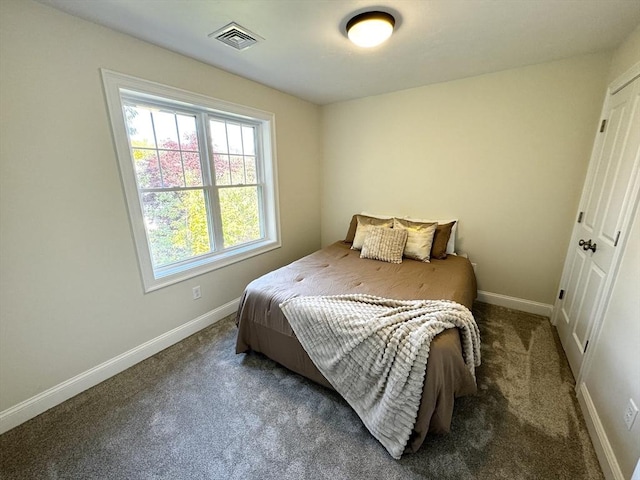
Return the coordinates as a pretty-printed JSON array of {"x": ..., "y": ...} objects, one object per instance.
[{"x": 374, "y": 352}]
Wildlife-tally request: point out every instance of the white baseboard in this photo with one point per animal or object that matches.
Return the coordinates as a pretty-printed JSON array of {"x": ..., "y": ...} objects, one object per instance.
[
  {"x": 30, "y": 408},
  {"x": 521, "y": 304},
  {"x": 601, "y": 444}
]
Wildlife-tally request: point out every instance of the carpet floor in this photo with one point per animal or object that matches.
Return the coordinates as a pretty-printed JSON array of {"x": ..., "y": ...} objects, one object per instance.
[{"x": 199, "y": 411}]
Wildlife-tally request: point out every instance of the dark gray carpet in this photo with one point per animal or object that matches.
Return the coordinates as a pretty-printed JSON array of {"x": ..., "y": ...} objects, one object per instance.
[{"x": 199, "y": 411}]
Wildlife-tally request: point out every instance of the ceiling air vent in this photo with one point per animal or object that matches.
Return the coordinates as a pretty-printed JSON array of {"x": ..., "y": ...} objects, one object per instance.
[{"x": 236, "y": 36}]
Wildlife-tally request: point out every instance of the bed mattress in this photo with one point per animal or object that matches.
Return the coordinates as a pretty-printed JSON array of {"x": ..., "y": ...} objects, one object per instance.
[{"x": 335, "y": 270}]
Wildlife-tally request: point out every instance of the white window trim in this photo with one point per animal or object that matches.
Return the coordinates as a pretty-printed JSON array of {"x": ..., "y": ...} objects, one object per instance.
[{"x": 113, "y": 83}]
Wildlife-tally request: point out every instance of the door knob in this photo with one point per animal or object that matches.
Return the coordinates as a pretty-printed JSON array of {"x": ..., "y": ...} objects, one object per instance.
[{"x": 587, "y": 245}]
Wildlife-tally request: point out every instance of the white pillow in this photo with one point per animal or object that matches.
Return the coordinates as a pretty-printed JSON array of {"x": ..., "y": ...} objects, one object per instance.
[{"x": 375, "y": 215}]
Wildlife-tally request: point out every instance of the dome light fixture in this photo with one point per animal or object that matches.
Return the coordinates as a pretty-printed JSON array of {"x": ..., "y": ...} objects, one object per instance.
[{"x": 369, "y": 29}]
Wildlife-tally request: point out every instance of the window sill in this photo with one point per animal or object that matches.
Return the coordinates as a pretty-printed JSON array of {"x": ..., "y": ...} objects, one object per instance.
[{"x": 202, "y": 265}]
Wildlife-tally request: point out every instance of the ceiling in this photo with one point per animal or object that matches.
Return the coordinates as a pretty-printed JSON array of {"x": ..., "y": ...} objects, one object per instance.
[{"x": 306, "y": 53}]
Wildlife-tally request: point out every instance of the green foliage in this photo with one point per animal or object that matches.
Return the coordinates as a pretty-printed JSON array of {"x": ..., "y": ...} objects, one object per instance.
[
  {"x": 240, "y": 215},
  {"x": 177, "y": 221},
  {"x": 176, "y": 225}
]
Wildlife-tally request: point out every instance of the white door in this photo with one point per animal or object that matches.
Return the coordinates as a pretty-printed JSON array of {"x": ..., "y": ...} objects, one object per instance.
[{"x": 605, "y": 208}]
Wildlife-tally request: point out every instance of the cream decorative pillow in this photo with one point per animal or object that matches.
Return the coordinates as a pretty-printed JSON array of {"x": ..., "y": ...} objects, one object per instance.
[
  {"x": 385, "y": 244},
  {"x": 446, "y": 228},
  {"x": 364, "y": 225},
  {"x": 374, "y": 219},
  {"x": 419, "y": 238}
]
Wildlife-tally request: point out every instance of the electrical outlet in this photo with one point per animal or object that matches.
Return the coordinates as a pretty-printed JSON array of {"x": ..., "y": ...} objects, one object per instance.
[
  {"x": 630, "y": 414},
  {"x": 196, "y": 292}
]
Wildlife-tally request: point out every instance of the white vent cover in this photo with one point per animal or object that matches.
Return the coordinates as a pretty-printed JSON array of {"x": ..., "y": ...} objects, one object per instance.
[{"x": 236, "y": 36}]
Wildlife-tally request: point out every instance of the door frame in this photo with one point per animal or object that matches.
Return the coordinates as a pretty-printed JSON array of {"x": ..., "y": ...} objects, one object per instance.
[{"x": 632, "y": 206}]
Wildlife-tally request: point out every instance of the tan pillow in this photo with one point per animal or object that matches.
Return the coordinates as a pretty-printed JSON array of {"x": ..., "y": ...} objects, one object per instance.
[
  {"x": 385, "y": 244},
  {"x": 419, "y": 238},
  {"x": 440, "y": 240},
  {"x": 371, "y": 220},
  {"x": 364, "y": 224}
]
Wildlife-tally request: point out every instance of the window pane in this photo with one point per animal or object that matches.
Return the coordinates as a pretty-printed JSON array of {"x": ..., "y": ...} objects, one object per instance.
[
  {"x": 176, "y": 224},
  {"x": 192, "y": 169},
  {"x": 239, "y": 208},
  {"x": 237, "y": 170},
  {"x": 139, "y": 126},
  {"x": 222, "y": 171},
  {"x": 218, "y": 136},
  {"x": 250, "y": 169},
  {"x": 166, "y": 133},
  {"x": 171, "y": 164},
  {"x": 187, "y": 131},
  {"x": 176, "y": 162},
  {"x": 147, "y": 168},
  {"x": 248, "y": 140},
  {"x": 235, "y": 138}
]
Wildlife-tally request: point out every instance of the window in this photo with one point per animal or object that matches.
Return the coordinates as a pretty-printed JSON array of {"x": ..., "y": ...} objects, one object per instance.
[{"x": 198, "y": 175}]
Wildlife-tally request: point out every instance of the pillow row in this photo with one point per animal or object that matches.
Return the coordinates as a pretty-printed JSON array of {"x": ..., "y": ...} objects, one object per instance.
[
  {"x": 418, "y": 236},
  {"x": 425, "y": 240},
  {"x": 451, "y": 244}
]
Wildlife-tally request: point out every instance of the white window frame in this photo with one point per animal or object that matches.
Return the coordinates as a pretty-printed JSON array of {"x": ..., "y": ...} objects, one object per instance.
[{"x": 117, "y": 86}]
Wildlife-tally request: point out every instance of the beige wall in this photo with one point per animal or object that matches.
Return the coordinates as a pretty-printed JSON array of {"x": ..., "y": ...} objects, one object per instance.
[
  {"x": 506, "y": 153},
  {"x": 71, "y": 293},
  {"x": 626, "y": 55},
  {"x": 613, "y": 370}
]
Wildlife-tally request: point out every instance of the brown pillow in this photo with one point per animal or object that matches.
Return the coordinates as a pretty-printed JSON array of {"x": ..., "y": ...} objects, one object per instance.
[
  {"x": 440, "y": 239},
  {"x": 382, "y": 222}
]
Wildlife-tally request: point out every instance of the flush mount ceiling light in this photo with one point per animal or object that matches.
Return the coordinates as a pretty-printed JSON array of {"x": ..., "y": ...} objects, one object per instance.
[{"x": 370, "y": 28}]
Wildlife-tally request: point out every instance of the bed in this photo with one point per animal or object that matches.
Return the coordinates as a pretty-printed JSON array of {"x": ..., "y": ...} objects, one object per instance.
[{"x": 338, "y": 269}]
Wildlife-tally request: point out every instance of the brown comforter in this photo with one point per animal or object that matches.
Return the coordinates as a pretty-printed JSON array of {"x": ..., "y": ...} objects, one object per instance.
[{"x": 337, "y": 269}]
